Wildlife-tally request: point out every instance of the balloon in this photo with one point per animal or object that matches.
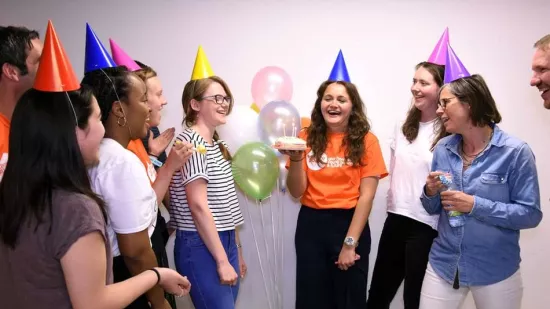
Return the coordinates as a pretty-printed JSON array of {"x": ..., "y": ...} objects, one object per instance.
[
  {"x": 271, "y": 84},
  {"x": 241, "y": 127},
  {"x": 278, "y": 118},
  {"x": 255, "y": 169},
  {"x": 305, "y": 122}
]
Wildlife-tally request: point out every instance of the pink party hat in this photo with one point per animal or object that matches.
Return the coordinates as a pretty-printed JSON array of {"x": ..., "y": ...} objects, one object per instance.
[
  {"x": 454, "y": 69},
  {"x": 121, "y": 57},
  {"x": 439, "y": 54}
]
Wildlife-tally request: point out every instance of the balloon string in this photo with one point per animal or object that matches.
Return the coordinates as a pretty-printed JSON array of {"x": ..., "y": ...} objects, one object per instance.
[
  {"x": 268, "y": 256},
  {"x": 258, "y": 251},
  {"x": 275, "y": 254},
  {"x": 281, "y": 240}
]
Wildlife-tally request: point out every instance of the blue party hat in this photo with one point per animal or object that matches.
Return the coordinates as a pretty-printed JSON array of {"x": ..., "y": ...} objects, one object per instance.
[
  {"x": 97, "y": 56},
  {"x": 339, "y": 70}
]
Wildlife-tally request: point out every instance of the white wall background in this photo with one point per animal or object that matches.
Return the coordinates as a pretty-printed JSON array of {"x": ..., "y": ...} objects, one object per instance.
[{"x": 381, "y": 41}]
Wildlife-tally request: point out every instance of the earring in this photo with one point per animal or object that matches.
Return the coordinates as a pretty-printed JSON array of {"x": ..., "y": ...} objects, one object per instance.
[{"x": 118, "y": 122}]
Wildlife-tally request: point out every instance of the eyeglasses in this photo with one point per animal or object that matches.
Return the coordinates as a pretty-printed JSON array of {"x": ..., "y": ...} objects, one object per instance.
[
  {"x": 444, "y": 102},
  {"x": 219, "y": 99}
]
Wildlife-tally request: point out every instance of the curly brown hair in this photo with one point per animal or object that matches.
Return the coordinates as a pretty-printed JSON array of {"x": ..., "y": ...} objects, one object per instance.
[
  {"x": 194, "y": 90},
  {"x": 357, "y": 129}
]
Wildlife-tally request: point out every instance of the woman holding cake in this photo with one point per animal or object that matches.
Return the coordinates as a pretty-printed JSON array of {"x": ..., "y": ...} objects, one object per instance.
[
  {"x": 409, "y": 230},
  {"x": 336, "y": 178},
  {"x": 204, "y": 205}
]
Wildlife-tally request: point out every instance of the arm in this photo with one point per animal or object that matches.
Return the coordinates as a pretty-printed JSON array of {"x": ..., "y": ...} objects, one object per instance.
[
  {"x": 367, "y": 191},
  {"x": 432, "y": 202},
  {"x": 179, "y": 154},
  {"x": 131, "y": 209},
  {"x": 523, "y": 211},
  {"x": 139, "y": 257},
  {"x": 389, "y": 196},
  {"x": 204, "y": 221},
  {"x": 161, "y": 184},
  {"x": 85, "y": 267},
  {"x": 296, "y": 180}
]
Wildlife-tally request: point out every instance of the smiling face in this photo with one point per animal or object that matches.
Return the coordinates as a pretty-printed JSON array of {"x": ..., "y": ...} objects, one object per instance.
[
  {"x": 454, "y": 114},
  {"x": 213, "y": 106},
  {"x": 156, "y": 100},
  {"x": 424, "y": 90},
  {"x": 336, "y": 107},
  {"x": 89, "y": 139},
  {"x": 137, "y": 109},
  {"x": 541, "y": 74}
]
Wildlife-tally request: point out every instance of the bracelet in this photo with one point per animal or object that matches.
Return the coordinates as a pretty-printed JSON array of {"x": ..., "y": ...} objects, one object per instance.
[
  {"x": 155, "y": 161},
  {"x": 297, "y": 160},
  {"x": 158, "y": 275}
]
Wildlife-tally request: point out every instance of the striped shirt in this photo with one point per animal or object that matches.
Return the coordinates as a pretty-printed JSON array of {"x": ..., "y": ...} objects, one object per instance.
[{"x": 222, "y": 197}]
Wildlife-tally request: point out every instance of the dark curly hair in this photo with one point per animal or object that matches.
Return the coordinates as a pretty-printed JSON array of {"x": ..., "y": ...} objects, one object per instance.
[
  {"x": 104, "y": 82},
  {"x": 358, "y": 126}
]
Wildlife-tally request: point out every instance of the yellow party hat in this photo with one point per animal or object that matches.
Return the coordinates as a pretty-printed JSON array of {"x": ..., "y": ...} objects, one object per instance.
[{"x": 202, "y": 67}]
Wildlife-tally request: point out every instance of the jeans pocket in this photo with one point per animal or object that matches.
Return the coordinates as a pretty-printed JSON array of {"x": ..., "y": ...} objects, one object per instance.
[{"x": 192, "y": 240}]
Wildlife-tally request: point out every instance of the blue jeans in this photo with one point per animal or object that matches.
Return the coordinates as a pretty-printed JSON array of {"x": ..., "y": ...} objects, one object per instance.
[{"x": 194, "y": 260}]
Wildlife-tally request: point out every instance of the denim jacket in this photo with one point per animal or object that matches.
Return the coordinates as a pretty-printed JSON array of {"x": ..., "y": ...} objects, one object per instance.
[{"x": 504, "y": 183}]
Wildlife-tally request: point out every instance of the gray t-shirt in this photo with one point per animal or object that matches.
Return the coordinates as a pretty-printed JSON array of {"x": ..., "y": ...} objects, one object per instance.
[{"x": 31, "y": 275}]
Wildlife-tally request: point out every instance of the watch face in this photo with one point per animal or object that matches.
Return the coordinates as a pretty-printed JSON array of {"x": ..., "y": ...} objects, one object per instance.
[{"x": 349, "y": 241}]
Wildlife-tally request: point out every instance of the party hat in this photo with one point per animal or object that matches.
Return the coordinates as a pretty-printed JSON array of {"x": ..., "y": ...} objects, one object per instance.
[
  {"x": 439, "y": 54},
  {"x": 121, "y": 57},
  {"x": 339, "y": 70},
  {"x": 97, "y": 56},
  {"x": 454, "y": 69},
  {"x": 202, "y": 67},
  {"x": 55, "y": 72}
]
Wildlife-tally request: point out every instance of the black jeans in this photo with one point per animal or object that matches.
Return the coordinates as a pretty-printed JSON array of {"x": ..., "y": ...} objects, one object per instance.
[
  {"x": 320, "y": 284},
  {"x": 159, "y": 238},
  {"x": 402, "y": 254}
]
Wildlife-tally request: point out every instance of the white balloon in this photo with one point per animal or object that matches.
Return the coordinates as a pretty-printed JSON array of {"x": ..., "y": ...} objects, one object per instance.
[{"x": 241, "y": 127}]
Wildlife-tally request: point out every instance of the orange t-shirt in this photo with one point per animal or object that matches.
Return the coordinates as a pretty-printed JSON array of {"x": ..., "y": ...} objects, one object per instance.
[
  {"x": 4, "y": 142},
  {"x": 136, "y": 146},
  {"x": 335, "y": 183}
]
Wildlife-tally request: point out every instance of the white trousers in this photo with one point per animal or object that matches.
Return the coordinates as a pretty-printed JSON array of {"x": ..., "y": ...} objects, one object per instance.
[{"x": 438, "y": 294}]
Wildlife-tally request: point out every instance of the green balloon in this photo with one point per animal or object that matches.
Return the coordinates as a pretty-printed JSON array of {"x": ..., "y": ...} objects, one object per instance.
[{"x": 255, "y": 169}]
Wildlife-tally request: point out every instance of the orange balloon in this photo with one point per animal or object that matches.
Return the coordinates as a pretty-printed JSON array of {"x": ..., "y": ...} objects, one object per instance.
[{"x": 305, "y": 122}]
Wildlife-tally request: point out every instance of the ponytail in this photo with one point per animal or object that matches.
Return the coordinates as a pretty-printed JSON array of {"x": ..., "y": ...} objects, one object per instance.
[{"x": 223, "y": 149}]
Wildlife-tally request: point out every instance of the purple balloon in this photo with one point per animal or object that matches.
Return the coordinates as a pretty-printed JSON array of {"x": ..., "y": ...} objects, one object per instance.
[
  {"x": 278, "y": 118},
  {"x": 271, "y": 84}
]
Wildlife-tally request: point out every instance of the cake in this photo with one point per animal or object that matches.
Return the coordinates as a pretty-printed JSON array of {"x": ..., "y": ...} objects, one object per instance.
[
  {"x": 200, "y": 148},
  {"x": 290, "y": 143}
]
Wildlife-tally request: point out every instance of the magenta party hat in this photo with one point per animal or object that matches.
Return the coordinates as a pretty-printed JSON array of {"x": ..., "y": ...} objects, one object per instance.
[
  {"x": 454, "y": 69},
  {"x": 97, "y": 56},
  {"x": 121, "y": 57},
  {"x": 439, "y": 54},
  {"x": 339, "y": 70}
]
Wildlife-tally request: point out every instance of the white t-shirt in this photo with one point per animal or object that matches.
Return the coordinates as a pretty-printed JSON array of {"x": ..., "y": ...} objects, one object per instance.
[
  {"x": 220, "y": 186},
  {"x": 120, "y": 180},
  {"x": 409, "y": 167}
]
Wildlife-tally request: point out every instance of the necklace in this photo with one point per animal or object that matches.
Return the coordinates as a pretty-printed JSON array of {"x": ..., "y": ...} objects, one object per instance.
[{"x": 469, "y": 159}]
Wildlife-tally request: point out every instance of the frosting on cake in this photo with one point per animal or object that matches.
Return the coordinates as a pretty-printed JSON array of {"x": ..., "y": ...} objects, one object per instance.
[{"x": 290, "y": 142}]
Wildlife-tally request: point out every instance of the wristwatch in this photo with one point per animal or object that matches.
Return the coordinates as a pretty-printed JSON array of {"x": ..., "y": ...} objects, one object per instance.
[{"x": 349, "y": 241}]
